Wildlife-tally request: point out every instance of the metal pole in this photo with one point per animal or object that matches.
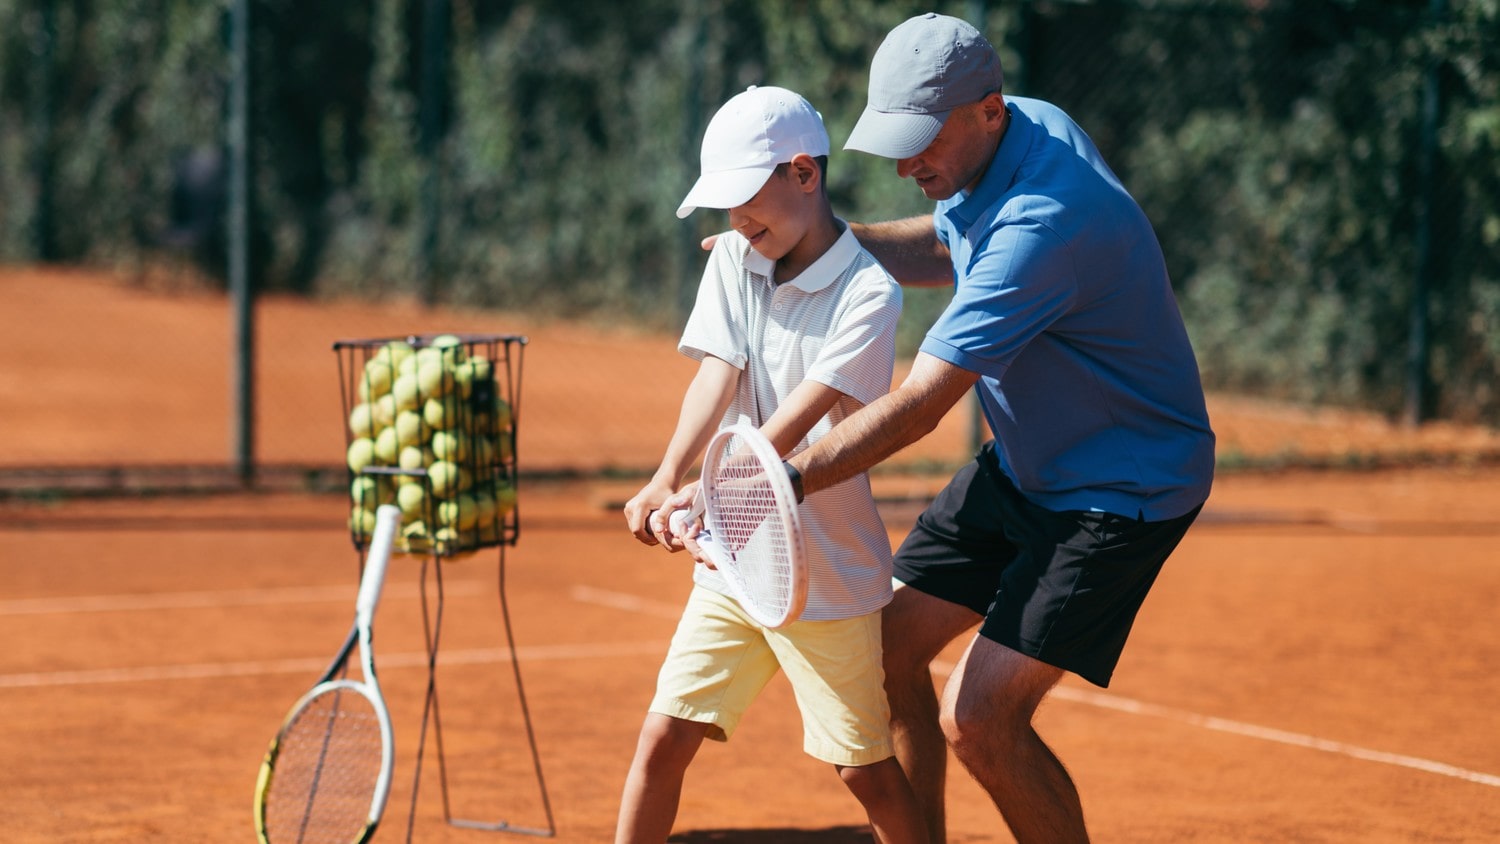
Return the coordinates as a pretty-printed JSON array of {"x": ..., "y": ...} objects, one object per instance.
[
  {"x": 434, "y": 68},
  {"x": 1417, "y": 350},
  {"x": 242, "y": 367}
]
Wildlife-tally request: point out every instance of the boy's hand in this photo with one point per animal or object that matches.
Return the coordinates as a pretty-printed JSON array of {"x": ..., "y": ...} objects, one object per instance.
[
  {"x": 660, "y": 520},
  {"x": 644, "y": 505}
]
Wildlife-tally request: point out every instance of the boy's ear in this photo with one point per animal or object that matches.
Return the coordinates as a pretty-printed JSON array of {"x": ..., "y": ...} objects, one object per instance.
[{"x": 805, "y": 170}]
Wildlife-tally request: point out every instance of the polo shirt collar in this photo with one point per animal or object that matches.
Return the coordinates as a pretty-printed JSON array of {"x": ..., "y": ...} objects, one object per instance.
[
  {"x": 823, "y": 272},
  {"x": 963, "y": 211}
]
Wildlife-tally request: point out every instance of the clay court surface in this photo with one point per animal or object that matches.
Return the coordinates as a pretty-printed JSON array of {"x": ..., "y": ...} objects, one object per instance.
[{"x": 1317, "y": 662}]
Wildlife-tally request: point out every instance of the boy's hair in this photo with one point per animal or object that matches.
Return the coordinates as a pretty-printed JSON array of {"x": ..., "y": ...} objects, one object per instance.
[{"x": 753, "y": 133}]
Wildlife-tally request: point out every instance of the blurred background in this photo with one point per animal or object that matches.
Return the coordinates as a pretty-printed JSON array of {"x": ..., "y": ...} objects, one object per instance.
[{"x": 1324, "y": 177}]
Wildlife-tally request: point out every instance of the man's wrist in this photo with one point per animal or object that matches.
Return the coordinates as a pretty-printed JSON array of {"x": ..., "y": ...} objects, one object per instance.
[{"x": 796, "y": 478}]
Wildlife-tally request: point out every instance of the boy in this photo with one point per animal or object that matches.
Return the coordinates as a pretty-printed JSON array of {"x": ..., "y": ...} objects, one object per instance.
[{"x": 794, "y": 328}]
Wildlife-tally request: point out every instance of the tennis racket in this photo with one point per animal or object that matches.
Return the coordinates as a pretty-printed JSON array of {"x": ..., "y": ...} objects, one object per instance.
[
  {"x": 751, "y": 530},
  {"x": 328, "y": 771}
]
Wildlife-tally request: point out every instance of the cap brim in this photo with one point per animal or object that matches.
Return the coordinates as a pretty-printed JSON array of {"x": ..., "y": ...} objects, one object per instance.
[
  {"x": 894, "y": 135},
  {"x": 725, "y": 189}
]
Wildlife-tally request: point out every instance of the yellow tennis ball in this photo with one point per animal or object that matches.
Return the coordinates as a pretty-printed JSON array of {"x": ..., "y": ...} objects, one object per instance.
[
  {"x": 394, "y": 351},
  {"x": 365, "y": 493},
  {"x": 362, "y": 521},
  {"x": 450, "y": 445},
  {"x": 452, "y": 347},
  {"x": 471, "y": 372},
  {"x": 362, "y": 421},
  {"x": 437, "y": 414},
  {"x": 409, "y": 428},
  {"x": 376, "y": 379},
  {"x": 406, "y": 392},
  {"x": 361, "y": 453},
  {"x": 485, "y": 508},
  {"x": 383, "y": 411},
  {"x": 387, "y": 446},
  {"x": 433, "y": 378},
  {"x": 415, "y": 457},
  {"x": 457, "y": 512},
  {"x": 447, "y": 478},
  {"x": 505, "y": 498},
  {"x": 412, "y": 499}
]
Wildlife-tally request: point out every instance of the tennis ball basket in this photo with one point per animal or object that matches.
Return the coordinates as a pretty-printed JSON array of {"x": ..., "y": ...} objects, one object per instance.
[{"x": 430, "y": 426}]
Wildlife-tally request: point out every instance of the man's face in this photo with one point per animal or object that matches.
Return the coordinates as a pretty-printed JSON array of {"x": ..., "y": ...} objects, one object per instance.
[{"x": 956, "y": 158}]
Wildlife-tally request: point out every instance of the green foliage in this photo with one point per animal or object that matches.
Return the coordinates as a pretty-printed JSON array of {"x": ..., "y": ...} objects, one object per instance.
[{"x": 1276, "y": 145}]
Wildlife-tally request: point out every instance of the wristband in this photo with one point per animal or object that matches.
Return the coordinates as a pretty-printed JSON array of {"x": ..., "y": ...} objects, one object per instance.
[{"x": 796, "y": 478}]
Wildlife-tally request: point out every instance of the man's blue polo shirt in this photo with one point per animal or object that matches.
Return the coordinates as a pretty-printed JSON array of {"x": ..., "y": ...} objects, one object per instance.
[{"x": 1062, "y": 304}]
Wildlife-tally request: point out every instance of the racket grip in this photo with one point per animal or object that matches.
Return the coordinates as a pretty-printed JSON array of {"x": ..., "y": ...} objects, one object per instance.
[{"x": 387, "y": 520}]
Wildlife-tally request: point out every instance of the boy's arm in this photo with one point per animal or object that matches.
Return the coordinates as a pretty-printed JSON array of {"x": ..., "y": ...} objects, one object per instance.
[
  {"x": 704, "y": 404},
  {"x": 809, "y": 402}
]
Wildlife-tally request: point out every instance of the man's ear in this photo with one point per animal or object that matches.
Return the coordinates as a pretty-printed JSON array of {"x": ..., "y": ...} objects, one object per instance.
[{"x": 992, "y": 110}]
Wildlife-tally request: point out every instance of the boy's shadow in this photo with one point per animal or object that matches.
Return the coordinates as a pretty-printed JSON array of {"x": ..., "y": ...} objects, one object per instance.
[{"x": 830, "y": 835}]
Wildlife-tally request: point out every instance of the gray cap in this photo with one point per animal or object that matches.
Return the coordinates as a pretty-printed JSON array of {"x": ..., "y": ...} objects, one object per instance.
[{"x": 925, "y": 68}]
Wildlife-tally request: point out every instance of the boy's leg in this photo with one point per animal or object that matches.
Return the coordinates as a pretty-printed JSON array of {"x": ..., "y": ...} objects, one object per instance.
[
  {"x": 654, "y": 786},
  {"x": 889, "y": 801}
]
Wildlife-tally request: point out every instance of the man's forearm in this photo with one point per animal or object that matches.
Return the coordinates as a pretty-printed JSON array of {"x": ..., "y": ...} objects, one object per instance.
[
  {"x": 908, "y": 249},
  {"x": 885, "y": 426}
]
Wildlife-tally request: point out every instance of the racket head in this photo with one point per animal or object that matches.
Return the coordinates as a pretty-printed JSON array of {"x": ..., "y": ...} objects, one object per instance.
[
  {"x": 755, "y": 533},
  {"x": 327, "y": 773}
]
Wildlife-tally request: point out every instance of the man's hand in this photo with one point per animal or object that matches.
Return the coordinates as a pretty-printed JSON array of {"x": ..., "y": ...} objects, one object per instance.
[{"x": 708, "y": 242}]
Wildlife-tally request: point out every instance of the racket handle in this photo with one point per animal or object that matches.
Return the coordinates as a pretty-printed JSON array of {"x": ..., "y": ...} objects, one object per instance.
[
  {"x": 680, "y": 519},
  {"x": 387, "y": 519}
]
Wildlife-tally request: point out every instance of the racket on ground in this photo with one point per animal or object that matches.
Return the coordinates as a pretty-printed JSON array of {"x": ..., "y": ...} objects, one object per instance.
[
  {"x": 751, "y": 530},
  {"x": 328, "y": 771}
]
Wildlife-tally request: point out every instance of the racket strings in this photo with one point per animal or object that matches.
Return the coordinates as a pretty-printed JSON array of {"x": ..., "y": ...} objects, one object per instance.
[
  {"x": 328, "y": 763},
  {"x": 748, "y": 525}
]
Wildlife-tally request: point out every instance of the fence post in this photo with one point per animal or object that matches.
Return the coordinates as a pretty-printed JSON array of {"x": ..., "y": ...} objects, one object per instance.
[
  {"x": 1417, "y": 350},
  {"x": 242, "y": 303}
]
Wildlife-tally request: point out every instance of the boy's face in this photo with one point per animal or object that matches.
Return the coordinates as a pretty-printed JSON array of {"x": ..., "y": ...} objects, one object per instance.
[{"x": 776, "y": 218}]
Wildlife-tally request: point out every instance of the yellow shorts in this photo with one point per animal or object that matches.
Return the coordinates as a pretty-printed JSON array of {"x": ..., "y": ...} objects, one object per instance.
[{"x": 720, "y": 659}]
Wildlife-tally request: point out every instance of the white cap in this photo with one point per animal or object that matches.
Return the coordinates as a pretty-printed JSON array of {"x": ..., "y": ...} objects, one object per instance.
[{"x": 751, "y": 134}]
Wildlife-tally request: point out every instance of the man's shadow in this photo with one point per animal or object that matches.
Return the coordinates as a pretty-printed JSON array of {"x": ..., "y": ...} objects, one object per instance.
[{"x": 829, "y": 835}]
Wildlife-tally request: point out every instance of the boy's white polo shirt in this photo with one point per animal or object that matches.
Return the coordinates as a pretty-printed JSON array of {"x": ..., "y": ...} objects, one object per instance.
[{"x": 835, "y": 323}]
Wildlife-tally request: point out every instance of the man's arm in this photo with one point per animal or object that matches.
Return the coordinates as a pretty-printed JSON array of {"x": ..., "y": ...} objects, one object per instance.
[
  {"x": 886, "y": 425},
  {"x": 909, "y": 250}
]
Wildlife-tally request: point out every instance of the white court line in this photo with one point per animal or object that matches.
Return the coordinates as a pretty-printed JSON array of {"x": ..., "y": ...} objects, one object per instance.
[
  {"x": 315, "y": 665},
  {"x": 1136, "y": 707},
  {"x": 227, "y": 598},
  {"x": 623, "y": 601},
  {"x": 1240, "y": 728}
]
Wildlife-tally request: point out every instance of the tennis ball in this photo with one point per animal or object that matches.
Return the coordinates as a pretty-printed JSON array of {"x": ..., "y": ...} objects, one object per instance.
[
  {"x": 394, "y": 351},
  {"x": 450, "y": 445},
  {"x": 458, "y": 512},
  {"x": 415, "y": 539},
  {"x": 433, "y": 378},
  {"x": 452, "y": 347},
  {"x": 505, "y": 498},
  {"x": 414, "y": 457},
  {"x": 498, "y": 416},
  {"x": 362, "y": 521},
  {"x": 361, "y": 454},
  {"x": 362, "y": 421},
  {"x": 406, "y": 392},
  {"x": 470, "y": 372},
  {"x": 407, "y": 366},
  {"x": 383, "y": 411},
  {"x": 435, "y": 412},
  {"x": 412, "y": 499},
  {"x": 386, "y": 446},
  {"x": 409, "y": 428},
  {"x": 365, "y": 493},
  {"x": 485, "y": 508},
  {"x": 447, "y": 478}
]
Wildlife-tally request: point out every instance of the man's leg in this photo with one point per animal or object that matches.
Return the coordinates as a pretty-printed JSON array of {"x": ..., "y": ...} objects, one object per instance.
[
  {"x": 916, "y": 626},
  {"x": 987, "y": 712}
]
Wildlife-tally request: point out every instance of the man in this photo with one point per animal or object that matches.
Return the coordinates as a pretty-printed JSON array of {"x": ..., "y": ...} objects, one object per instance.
[{"x": 1064, "y": 322}]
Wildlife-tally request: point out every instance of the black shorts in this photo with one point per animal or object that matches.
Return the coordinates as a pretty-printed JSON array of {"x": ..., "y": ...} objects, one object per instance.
[{"x": 1063, "y": 588}]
